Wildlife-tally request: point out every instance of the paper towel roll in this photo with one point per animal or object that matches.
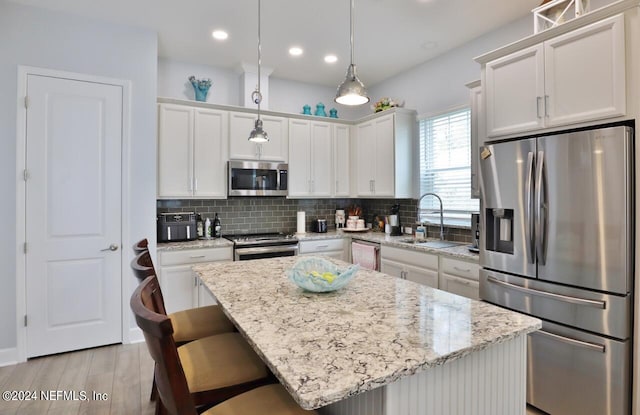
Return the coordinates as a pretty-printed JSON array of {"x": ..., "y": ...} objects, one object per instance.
[{"x": 301, "y": 223}]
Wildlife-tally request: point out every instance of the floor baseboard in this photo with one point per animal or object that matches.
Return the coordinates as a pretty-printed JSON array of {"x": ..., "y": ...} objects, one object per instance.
[{"x": 9, "y": 356}]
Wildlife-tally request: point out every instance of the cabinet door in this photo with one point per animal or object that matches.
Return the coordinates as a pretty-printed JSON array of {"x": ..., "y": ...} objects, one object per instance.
[
  {"x": 514, "y": 87},
  {"x": 460, "y": 286},
  {"x": 393, "y": 268},
  {"x": 175, "y": 141},
  {"x": 422, "y": 276},
  {"x": 321, "y": 159},
  {"x": 179, "y": 288},
  {"x": 205, "y": 297},
  {"x": 240, "y": 126},
  {"x": 582, "y": 85},
  {"x": 341, "y": 165},
  {"x": 299, "y": 164},
  {"x": 277, "y": 149},
  {"x": 365, "y": 158},
  {"x": 210, "y": 153},
  {"x": 384, "y": 178}
]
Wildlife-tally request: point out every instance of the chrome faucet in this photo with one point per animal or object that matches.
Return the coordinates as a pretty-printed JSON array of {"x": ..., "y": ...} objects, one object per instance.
[{"x": 441, "y": 214}]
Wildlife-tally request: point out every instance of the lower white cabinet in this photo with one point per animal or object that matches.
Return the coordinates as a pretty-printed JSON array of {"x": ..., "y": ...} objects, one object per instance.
[
  {"x": 420, "y": 267},
  {"x": 181, "y": 288},
  {"x": 460, "y": 277},
  {"x": 334, "y": 248}
]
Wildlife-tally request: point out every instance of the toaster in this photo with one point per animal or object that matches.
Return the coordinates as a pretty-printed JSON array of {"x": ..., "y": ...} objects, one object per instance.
[{"x": 180, "y": 226}]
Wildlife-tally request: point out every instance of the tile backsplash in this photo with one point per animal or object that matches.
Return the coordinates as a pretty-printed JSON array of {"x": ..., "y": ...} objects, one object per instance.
[{"x": 278, "y": 214}]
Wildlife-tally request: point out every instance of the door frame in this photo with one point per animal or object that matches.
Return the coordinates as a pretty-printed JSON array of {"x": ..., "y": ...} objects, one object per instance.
[{"x": 21, "y": 142}]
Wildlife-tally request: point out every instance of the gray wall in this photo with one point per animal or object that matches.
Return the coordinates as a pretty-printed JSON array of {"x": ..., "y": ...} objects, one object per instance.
[{"x": 35, "y": 37}]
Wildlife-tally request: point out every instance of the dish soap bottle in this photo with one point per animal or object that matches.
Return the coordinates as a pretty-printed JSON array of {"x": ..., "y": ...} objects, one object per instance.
[
  {"x": 217, "y": 229},
  {"x": 207, "y": 228}
]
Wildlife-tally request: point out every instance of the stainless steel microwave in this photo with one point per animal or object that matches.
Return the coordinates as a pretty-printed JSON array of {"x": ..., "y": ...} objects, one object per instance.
[{"x": 257, "y": 178}]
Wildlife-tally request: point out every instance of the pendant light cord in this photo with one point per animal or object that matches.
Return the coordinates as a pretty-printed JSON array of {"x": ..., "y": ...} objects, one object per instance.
[
  {"x": 351, "y": 26},
  {"x": 259, "y": 57}
]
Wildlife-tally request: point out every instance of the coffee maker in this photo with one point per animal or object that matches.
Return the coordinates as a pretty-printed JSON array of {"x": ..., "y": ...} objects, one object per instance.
[{"x": 394, "y": 221}]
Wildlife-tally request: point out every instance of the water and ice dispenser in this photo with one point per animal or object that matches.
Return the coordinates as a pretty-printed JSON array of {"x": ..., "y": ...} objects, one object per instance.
[{"x": 499, "y": 230}]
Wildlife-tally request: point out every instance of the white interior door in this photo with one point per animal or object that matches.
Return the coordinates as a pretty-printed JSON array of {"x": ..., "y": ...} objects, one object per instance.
[{"x": 73, "y": 215}]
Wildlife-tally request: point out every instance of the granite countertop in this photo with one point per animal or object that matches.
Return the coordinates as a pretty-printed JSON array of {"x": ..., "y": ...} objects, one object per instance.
[
  {"x": 326, "y": 347},
  {"x": 196, "y": 244}
]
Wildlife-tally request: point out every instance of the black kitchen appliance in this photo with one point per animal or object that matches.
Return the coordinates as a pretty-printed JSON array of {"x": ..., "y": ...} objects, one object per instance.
[
  {"x": 180, "y": 226},
  {"x": 262, "y": 245},
  {"x": 394, "y": 221},
  {"x": 319, "y": 225},
  {"x": 257, "y": 178}
]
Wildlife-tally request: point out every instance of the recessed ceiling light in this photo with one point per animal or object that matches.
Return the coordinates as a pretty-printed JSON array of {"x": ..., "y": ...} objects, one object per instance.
[
  {"x": 220, "y": 34},
  {"x": 295, "y": 51},
  {"x": 331, "y": 59}
]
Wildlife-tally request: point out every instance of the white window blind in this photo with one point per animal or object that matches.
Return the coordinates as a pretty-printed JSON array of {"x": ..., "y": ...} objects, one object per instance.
[{"x": 445, "y": 164}]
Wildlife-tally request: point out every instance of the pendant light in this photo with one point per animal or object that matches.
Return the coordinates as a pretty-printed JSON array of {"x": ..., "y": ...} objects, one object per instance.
[
  {"x": 351, "y": 91},
  {"x": 258, "y": 135}
]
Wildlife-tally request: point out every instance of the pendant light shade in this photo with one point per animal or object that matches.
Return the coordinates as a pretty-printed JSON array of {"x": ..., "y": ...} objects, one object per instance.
[
  {"x": 258, "y": 135},
  {"x": 351, "y": 91}
]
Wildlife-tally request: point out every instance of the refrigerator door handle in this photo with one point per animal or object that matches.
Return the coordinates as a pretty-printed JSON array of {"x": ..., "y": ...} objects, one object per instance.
[
  {"x": 586, "y": 345},
  {"x": 529, "y": 216},
  {"x": 540, "y": 210},
  {"x": 553, "y": 296}
]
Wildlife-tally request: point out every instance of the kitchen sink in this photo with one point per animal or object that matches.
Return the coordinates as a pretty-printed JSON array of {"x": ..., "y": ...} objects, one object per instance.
[{"x": 429, "y": 244}]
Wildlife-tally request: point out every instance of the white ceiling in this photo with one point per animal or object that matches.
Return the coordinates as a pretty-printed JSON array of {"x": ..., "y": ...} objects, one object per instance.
[{"x": 390, "y": 35}]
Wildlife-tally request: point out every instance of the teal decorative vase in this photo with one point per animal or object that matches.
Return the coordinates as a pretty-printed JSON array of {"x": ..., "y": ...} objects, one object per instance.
[
  {"x": 320, "y": 110},
  {"x": 306, "y": 110},
  {"x": 201, "y": 88},
  {"x": 333, "y": 113}
]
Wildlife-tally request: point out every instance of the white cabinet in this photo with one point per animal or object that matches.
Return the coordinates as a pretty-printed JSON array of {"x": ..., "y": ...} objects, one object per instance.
[
  {"x": 385, "y": 155},
  {"x": 311, "y": 161},
  {"x": 240, "y": 148},
  {"x": 477, "y": 135},
  {"x": 180, "y": 286},
  {"x": 420, "y": 267},
  {"x": 341, "y": 161},
  {"x": 192, "y": 152},
  {"x": 460, "y": 277},
  {"x": 560, "y": 81},
  {"x": 334, "y": 248}
]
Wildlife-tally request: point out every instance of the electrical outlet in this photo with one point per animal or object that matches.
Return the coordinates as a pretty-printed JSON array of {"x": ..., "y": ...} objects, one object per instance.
[{"x": 408, "y": 230}]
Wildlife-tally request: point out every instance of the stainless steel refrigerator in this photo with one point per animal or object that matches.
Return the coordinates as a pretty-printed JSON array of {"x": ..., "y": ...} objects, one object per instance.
[{"x": 558, "y": 221}]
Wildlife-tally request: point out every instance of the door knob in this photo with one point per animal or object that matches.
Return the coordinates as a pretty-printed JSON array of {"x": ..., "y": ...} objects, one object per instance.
[{"x": 112, "y": 247}]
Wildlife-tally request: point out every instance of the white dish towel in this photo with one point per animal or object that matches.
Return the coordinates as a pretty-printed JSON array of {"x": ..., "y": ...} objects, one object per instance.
[{"x": 365, "y": 255}]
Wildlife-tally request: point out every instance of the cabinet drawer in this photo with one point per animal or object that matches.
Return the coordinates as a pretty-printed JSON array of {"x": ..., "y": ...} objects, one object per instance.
[
  {"x": 462, "y": 269},
  {"x": 193, "y": 256},
  {"x": 410, "y": 257},
  {"x": 460, "y": 286},
  {"x": 322, "y": 245}
]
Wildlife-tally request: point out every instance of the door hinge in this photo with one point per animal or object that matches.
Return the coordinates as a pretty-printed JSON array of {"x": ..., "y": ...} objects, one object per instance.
[
  {"x": 25, "y": 320},
  {"x": 26, "y": 175},
  {"x": 24, "y": 248},
  {"x": 26, "y": 101}
]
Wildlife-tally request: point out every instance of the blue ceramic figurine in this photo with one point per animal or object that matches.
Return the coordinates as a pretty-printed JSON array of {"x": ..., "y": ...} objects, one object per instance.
[
  {"x": 333, "y": 113},
  {"x": 306, "y": 110},
  {"x": 320, "y": 110},
  {"x": 201, "y": 87}
]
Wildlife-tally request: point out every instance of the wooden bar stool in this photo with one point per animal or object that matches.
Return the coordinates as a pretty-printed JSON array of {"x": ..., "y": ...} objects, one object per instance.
[{"x": 182, "y": 374}]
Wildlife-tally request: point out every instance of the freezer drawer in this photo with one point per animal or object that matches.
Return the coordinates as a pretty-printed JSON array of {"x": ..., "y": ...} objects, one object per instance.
[
  {"x": 571, "y": 372},
  {"x": 601, "y": 313}
]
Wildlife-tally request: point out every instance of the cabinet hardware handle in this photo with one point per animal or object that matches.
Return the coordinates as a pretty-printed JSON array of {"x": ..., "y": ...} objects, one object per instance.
[
  {"x": 196, "y": 256},
  {"x": 195, "y": 186},
  {"x": 546, "y": 105},
  {"x": 461, "y": 269},
  {"x": 538, "y": 100},
  {"x": 336, "y": 186},
  {"x": 112, "y": 247},
  {"x": 195, "y": 281},
  {"x": 322, "y": 246},
  {"x": 191, "y": 184}
]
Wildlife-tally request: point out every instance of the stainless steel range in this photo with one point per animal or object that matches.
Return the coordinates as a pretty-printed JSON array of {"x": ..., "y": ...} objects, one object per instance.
[{"x": 263, "y": 245}]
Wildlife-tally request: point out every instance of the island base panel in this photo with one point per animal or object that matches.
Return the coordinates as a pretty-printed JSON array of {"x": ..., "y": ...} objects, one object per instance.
[{"x": 488, "y": 382}]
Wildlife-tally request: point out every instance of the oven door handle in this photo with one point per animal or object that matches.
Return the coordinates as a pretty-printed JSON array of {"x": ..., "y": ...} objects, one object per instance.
[
  {"x": 553, "y": 296},
  {"x": 266, "y": 249}
]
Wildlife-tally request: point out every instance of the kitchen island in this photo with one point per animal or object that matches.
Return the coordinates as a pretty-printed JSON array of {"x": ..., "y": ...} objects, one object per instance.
[{"x": 381, "y": 345}]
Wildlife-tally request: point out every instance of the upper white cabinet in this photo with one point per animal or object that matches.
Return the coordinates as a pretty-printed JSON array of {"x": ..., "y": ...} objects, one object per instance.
[
  {"x": 341, "y": 161},
  {"x": 311, "y": 158},
  {"x": 240, "y": 148},
  {"x": 575, "y": 77},
  {"x": 384, "y": 156},
  {"x": 192, "y": 152}
]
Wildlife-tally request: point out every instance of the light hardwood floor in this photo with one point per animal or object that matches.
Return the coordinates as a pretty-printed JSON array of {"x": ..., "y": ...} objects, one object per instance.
[{"x": 123, "y": 372}]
